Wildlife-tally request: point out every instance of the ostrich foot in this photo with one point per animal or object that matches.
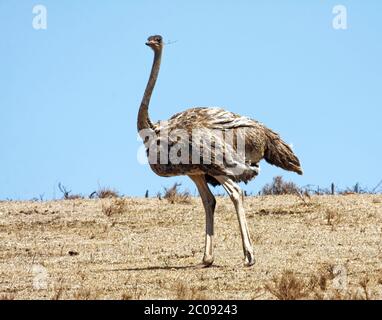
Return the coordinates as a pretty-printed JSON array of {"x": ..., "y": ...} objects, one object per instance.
[
  {"x": 249, "y": 259},
  {"x": 208, "y": 260}
]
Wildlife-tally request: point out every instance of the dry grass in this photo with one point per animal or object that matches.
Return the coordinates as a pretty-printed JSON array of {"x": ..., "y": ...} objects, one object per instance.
[
  {"x": 280, "y": 187},
  {"x": 7, "y": 296},
  {"x": 320, "y": 285},
  {"x": 85, "y": 294},
  {"x": 364, "y": 283},
  {"x": 287, "y": 287},
  {"x": 107, "y": 193},
  {"x": 173, "y": 195},
  {"x": 117, "y": 206},
  {"x": 333, "y": 218},
  {"x": 124, "y": 248},
  {"x": 184, "y": 292},
  {"x": 57, "y": 293},
  {"x": 67, "y": 193}
]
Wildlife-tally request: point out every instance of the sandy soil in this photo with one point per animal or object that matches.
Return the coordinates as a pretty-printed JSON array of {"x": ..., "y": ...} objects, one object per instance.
[{"x": 148, "y": 248}]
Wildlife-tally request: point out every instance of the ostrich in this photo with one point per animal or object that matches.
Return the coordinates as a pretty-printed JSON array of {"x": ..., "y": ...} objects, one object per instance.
[{"x": 260, "y": 143}]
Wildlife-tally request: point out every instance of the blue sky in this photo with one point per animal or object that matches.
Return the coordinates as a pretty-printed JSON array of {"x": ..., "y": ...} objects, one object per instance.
[{"x": 69, "y": 95}]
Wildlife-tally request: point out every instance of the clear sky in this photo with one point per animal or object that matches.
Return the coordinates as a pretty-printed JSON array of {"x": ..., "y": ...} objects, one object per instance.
[{"x": 69, "y": 95}]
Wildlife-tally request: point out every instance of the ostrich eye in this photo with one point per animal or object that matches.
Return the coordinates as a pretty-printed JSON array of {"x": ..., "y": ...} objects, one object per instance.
[{"x": 158, "y": 40}]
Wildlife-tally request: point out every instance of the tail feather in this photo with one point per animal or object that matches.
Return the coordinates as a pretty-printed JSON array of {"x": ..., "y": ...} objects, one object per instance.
[{"x": 278, "y": 153}]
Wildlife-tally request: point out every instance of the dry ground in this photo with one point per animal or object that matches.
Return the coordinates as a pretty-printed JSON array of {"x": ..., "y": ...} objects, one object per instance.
[{"x": 324, "y": 248}]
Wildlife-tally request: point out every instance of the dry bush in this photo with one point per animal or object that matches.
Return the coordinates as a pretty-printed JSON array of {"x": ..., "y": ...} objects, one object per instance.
[
  {"x": 57, "y": 294},
  {"x": 288, "y": 287},
  {"x": 347, "y": 295},
  {"x": 134, "y": 293},
  {"x": 183, "y": 292},
  {"x": 333, "y": 218},
  {"x": 105, "y": 193},
  {"x": 319, "y": 287},
  {"x": 318, "y": 282},
  {"x": 279, "y": 187},
  {"x": 126, "y": 296},
  {"x": 85, "y": 294},
  {"x": 363, "y": 292},
  {"x": 7, "y": 296},
  {"x": 118, "y": 206},
  {"x": 364, "y": 285},
  {"x": 173, "y": 195},
  {"x": 66, "y": 193},
  {"x": 58, "y": 290}
]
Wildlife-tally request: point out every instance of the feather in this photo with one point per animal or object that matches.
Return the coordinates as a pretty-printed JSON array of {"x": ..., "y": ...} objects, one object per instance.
[{"x": 212, "y": 124}]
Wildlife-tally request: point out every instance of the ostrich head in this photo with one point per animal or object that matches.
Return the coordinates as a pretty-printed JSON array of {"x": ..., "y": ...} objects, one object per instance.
[{"x": 155, "y": 42}]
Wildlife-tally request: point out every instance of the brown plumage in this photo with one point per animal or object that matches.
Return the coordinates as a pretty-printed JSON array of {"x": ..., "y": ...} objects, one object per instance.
[{"x": 212, "y": 124}]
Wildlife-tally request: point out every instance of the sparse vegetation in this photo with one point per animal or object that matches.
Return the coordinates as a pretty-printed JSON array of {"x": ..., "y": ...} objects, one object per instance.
[
  {"x": 364, "y": 285},
  {"x": 173, "y": 195},
  {"x": 58, "y": 289},
  {"x": 319, "y": 286},
  {"x": 287, "y": 287},
  {"x": 117, "y": 206},
  {"x": 67, "y": 193},
  {"x": 107, "y": 193},
  {"x": 85, "y": 294},
  {"x": 7, "y": 296},
  {"x": 184, "y": 292},
  {"x": 127, "y": 296},
  {"x": 280, "y": 187},
  {"x": 333, "y": 217},
  {"x": 134, "y": 293},
  {"x": 379, "y": 278},
  {"x": 124, "y": 248}
]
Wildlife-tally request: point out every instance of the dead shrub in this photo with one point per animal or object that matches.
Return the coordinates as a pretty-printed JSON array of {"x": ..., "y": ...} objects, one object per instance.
[
  {"x": 280, "y": 187},
  {"x": 379, "y": 277},
  {"x": 321, "y": 278},
  {"x": 134, "y": 293},
  {"x": 126, "y": 296},
  {"x": 364, "y": 285},
  {"x": 82, "y": 294},
  {"x": 333, "y": 218},
  {"x": 7, "y": 296},
  {"x": 58, "y": 289},
  {"x": 347, "y": 295},
  {"x": 118, "y": 206},
  {"x": 173, "y": 195},
  {"x": 85, "y": 294},
  {"x": 57, "y": 293},
  {"x": 105, "y": 193},
  {"x": 287, "y": 287},
  {"x": 66, "y": 193},
  {"x": 184, "y": 292}
]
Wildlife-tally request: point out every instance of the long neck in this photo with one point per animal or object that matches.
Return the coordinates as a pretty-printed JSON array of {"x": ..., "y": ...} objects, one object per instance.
[{"x": 143, "y": 114}]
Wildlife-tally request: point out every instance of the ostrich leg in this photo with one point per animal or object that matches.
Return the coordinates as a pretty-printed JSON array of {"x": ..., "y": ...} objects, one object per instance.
[
  {"x": 209, "y": 203},
  {"x": 236, "y": 196}
]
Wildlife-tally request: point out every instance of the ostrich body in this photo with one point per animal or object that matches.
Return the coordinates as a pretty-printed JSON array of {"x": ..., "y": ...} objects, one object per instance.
[{"x": 214, "y": 123}]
